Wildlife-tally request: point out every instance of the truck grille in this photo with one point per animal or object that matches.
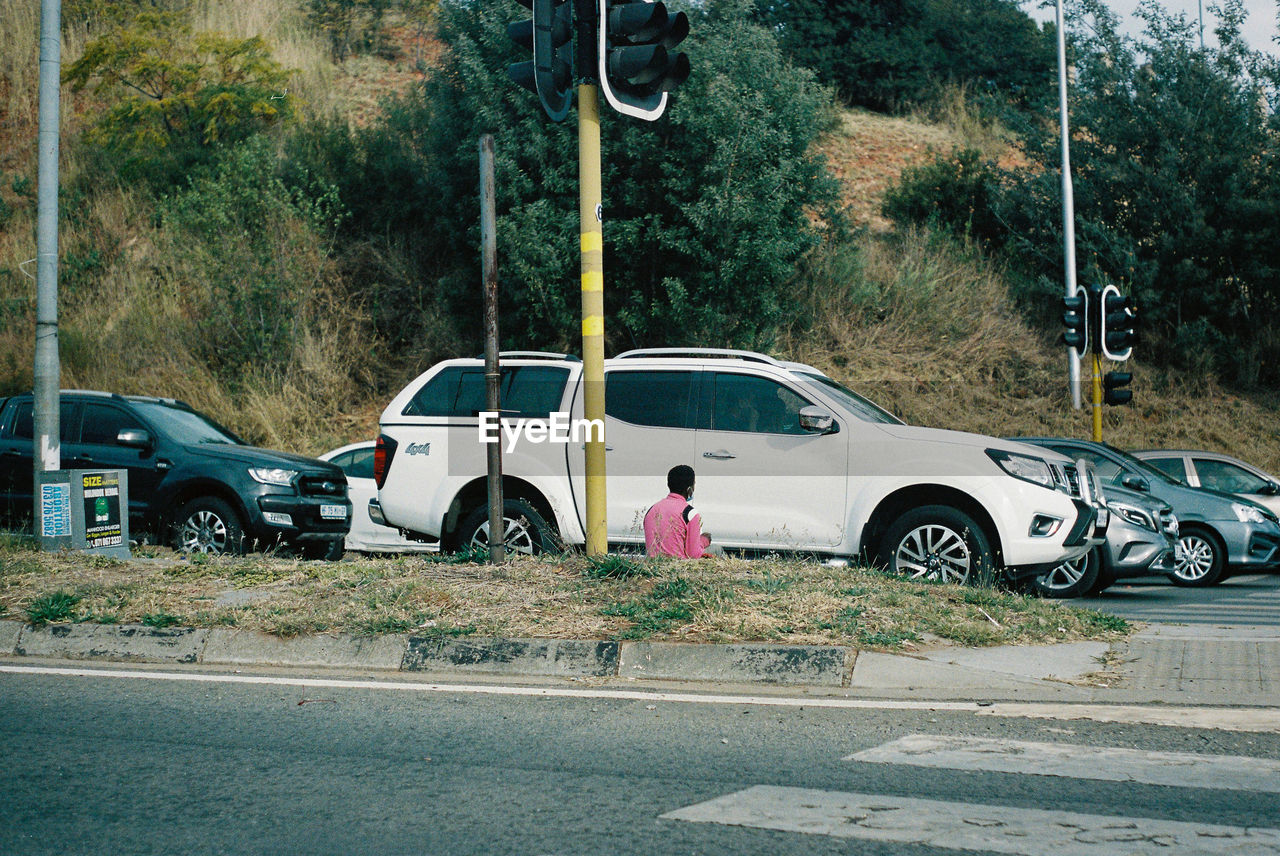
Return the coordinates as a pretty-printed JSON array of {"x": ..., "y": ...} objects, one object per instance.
[{"x": 322, "y": 486}]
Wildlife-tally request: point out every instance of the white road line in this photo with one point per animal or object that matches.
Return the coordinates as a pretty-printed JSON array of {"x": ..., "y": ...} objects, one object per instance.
[
  {"x": 964, "y": 826},
  {"x": 1230, "y": 719},
  {"x": 1112, "y": 764}
]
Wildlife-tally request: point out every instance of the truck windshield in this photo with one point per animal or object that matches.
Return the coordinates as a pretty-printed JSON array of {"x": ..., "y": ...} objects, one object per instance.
[
  {"x": 185, "y": 426},
  {"x": 864, "y": 409}
]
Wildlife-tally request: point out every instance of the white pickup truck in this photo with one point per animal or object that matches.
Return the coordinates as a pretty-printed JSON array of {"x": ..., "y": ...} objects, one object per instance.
[{"x": 787, "y": 459}]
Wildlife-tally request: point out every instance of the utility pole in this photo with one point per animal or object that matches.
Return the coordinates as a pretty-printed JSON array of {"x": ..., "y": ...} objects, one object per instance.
[
  {"x": 591, "y": 226},
  {"x": 492, "y": 372},
  {"x": 1068, "y": 204},
  {"x": 48, "y": 451}
]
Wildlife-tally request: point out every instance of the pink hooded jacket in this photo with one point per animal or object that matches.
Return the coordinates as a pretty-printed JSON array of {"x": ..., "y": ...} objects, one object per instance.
[{"x": 673, "y": 528}]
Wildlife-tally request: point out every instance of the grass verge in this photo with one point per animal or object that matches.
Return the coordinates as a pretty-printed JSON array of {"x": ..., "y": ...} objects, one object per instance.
[{"x": 572, "y": 597}]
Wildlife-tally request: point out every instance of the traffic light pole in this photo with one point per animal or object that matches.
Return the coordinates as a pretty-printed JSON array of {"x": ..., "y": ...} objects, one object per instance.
[
  {"x": 592, "y": 236},
  {"x": 1097, "y": 399}
]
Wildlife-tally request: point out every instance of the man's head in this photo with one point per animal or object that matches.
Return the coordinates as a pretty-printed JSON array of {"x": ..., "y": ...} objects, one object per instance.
[{"x": 680, "y": 480}]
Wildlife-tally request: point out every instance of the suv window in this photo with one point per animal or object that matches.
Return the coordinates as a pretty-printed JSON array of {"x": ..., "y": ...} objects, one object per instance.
[
  {"x": 24, "y": 421},
  {"x": 459, "y": 391},
  {"x": 1228, "y": 478},
  {"x": 1170, "y": 466},
  {"x": 654, "y": 398},
  {"x": 104, "y": 422},
  {"x": 757, "y": 404},
  {"x": 1107, "y": 469}
]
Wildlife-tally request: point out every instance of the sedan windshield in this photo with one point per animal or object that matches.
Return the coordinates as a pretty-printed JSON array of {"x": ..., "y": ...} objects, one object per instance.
[
  {"x": 864, "y": 409},
  {"x": 185, "y": 426}
]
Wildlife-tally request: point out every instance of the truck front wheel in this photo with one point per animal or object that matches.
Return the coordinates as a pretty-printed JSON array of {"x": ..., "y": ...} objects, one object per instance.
[
  {"x": 524, "y": 530},
  {"x": 940, "y": 544}
]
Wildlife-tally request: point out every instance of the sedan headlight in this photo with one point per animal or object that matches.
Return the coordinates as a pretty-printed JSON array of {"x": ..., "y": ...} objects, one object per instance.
[
  {"x": 1025, "y": 467},
  {"x": 1134, "y": 515},
  {"x": 273, "y": 475},
  {"x": 1248, "y": 513}
]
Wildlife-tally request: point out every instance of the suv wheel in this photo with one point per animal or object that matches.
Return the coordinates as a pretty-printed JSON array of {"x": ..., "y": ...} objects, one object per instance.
[
  {"x": 525, "y": 530},
  {"x": 938, "y": 543},
  {"x": 1071, "y": 579},
  {"x": 208, "y": 525},
  {"x": 1198, "y": 559}
]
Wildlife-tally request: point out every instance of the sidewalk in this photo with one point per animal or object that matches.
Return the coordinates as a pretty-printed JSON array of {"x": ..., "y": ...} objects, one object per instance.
[{"x": 1162, "y": 664}]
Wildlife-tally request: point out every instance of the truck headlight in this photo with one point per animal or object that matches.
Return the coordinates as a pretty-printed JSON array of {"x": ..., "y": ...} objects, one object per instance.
[
  {"x": 1025, "y": 467},
  {"x": 273, "y": 475}
]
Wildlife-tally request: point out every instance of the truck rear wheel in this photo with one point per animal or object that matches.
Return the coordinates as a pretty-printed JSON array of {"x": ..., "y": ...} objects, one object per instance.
[
  {"x": 940, "y": 544},
  {"x": 525, "y": 530}
]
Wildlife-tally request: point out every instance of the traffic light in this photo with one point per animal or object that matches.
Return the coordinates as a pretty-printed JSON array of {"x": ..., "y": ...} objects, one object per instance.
[
  {"x": 1113, "y": 388},
  {"x": 1075, "y": 318},
  {"x": 638, "y": 63},
  {"x": 549, "y": 35},
  {"x": 1118, "y": 318}
]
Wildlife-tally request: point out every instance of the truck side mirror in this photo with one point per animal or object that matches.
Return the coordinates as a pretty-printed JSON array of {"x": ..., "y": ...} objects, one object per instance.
[
  {"x": 815, "y": 420},
  {"x": 134, "y": 438}
]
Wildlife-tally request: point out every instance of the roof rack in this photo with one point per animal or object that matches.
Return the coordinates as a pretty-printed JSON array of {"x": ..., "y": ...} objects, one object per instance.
[
  {"x": 721, "y": 353},
  {"x": 534, "y": 355}
]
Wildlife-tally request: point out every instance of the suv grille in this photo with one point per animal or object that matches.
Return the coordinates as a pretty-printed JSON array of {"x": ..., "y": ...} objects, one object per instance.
[{"x": 321, "y": 486}]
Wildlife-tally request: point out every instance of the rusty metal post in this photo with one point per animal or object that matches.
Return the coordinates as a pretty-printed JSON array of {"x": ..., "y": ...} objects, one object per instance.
[{"x": 492, "y": 371}]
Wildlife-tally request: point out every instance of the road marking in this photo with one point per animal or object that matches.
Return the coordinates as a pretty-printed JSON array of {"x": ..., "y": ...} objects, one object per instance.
[
  {"x": 965, "y": 826},
  {"x": 1179, "y": 769},
  {"x": 1261, "y": 719}
]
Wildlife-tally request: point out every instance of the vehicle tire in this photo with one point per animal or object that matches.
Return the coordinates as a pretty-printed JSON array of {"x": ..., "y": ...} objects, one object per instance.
[
  {"x": 1106, "y": 579},
  {"x": 526, "y": 531},
  {"x": 938, "y": 543},
  {"x": 1199, "y": 558},
  {"x": 208, "y": 525},
  {"x": 1071, "y": 579}
]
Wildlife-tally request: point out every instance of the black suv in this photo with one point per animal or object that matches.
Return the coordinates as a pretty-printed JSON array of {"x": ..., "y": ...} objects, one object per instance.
[{"x": 191, "y": 481}]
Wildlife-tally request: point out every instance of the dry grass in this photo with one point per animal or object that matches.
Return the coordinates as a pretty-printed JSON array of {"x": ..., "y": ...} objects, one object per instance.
[{"x": 552, "y": 597}]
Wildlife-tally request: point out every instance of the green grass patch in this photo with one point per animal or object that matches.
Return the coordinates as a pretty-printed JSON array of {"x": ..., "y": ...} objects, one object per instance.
[
  {"x": 160, "y": 619},
  {"x": 49, "y": 608},
  {"x": 615, "y": 567}
]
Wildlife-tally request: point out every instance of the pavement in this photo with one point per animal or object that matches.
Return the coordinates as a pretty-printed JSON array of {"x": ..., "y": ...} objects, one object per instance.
[{"x": 1161, "y": 664}]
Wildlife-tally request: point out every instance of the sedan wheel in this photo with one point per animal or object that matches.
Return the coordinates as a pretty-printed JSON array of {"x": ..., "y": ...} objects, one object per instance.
[{"x": 1198, "y": 559}]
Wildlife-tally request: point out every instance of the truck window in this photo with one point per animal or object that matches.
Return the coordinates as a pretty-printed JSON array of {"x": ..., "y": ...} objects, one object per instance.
[
  {"x": 756, "y": 404},
  {"x": 103, "y": 423},
  {"x": 24, "y": 421},
  {"x": 459, "y": 391},
  {"x": 656, "y": 399}
]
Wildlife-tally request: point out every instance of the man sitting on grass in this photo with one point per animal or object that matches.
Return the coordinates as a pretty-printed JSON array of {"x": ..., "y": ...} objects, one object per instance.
[{"x": 671, "y": 526}]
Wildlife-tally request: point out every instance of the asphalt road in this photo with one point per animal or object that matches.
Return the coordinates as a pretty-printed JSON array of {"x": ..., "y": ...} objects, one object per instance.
[
  {"x": 1243, "y": 600},
  {"x": 99, "y": 765}
]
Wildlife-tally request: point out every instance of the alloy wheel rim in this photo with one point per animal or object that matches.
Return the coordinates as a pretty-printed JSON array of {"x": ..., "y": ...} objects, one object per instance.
[
  {"x": 517, "y": 536},
  {"x": 1067, "y": 574},
  {"x": 1193, "y": 557},
  {"x": 934, "y": 552},
  {"x": 204, "y": 532}
]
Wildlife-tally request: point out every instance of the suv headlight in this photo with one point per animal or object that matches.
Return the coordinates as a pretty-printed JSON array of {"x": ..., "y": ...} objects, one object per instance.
[
  {"x": 1025, "y": 467},
  {"x": 1134, "y": 515},
  {"x": 273, "y": 475},
  {"x": 1249, "y": 513}
]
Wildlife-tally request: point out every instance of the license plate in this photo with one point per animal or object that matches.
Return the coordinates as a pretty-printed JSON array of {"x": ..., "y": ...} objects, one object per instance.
[{"x": 333, "y": 512}]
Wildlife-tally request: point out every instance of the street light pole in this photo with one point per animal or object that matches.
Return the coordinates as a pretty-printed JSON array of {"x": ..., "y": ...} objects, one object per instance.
[{"x": 1068, "y": 206}]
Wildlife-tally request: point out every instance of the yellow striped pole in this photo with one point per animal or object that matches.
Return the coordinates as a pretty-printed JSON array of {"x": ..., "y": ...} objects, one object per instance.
[
  {"x": 592, "y": 231},
  {"x": 1097, "y": 399}
]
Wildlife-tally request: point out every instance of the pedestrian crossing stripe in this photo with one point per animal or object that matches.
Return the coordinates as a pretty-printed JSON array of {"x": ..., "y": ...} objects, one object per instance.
[
  {"x": 1177, "y": 769},
  {"x": 970, "y": 826}
]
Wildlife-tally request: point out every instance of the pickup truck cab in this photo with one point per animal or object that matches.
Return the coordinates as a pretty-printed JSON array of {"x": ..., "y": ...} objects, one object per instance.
[
  {"x": 786, "y": 458},
  {"x": 192, "y": 482}
]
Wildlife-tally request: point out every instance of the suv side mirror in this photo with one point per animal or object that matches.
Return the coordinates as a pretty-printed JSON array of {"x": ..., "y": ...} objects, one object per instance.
[
  {"x": 134, "y": 438},
  {"x": 815, "y": 420},
  {"x": 1133, "y": 481}
]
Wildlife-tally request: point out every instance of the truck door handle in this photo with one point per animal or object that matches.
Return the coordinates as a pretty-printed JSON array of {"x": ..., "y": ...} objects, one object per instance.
[
  {"x": 606, "y": 448},
  {"x": 719, "y": 455}
]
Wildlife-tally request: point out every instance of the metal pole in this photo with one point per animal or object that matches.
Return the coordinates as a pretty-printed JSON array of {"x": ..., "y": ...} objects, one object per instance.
[
  {"x": 47, "y": 449},
  {"x": 492, "y": 371},
  {"x": 592, "y": 229},
  {"x": 1068, "y": 206},
  {"x": 1201, "y": 5},
  {"x": 1097, "y": 399}
]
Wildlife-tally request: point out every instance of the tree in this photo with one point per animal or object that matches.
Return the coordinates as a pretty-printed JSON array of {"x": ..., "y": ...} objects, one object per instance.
[
  {"x": 706, "y": 212},
  {"x": 170, "y": 96}
]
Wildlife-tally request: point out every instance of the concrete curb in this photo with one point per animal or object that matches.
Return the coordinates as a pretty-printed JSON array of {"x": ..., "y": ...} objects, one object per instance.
[{"x": 568, "y": 658}]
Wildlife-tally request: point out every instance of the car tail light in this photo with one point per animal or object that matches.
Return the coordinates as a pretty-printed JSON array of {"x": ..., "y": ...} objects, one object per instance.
[{"x": 383, "y": 452}]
